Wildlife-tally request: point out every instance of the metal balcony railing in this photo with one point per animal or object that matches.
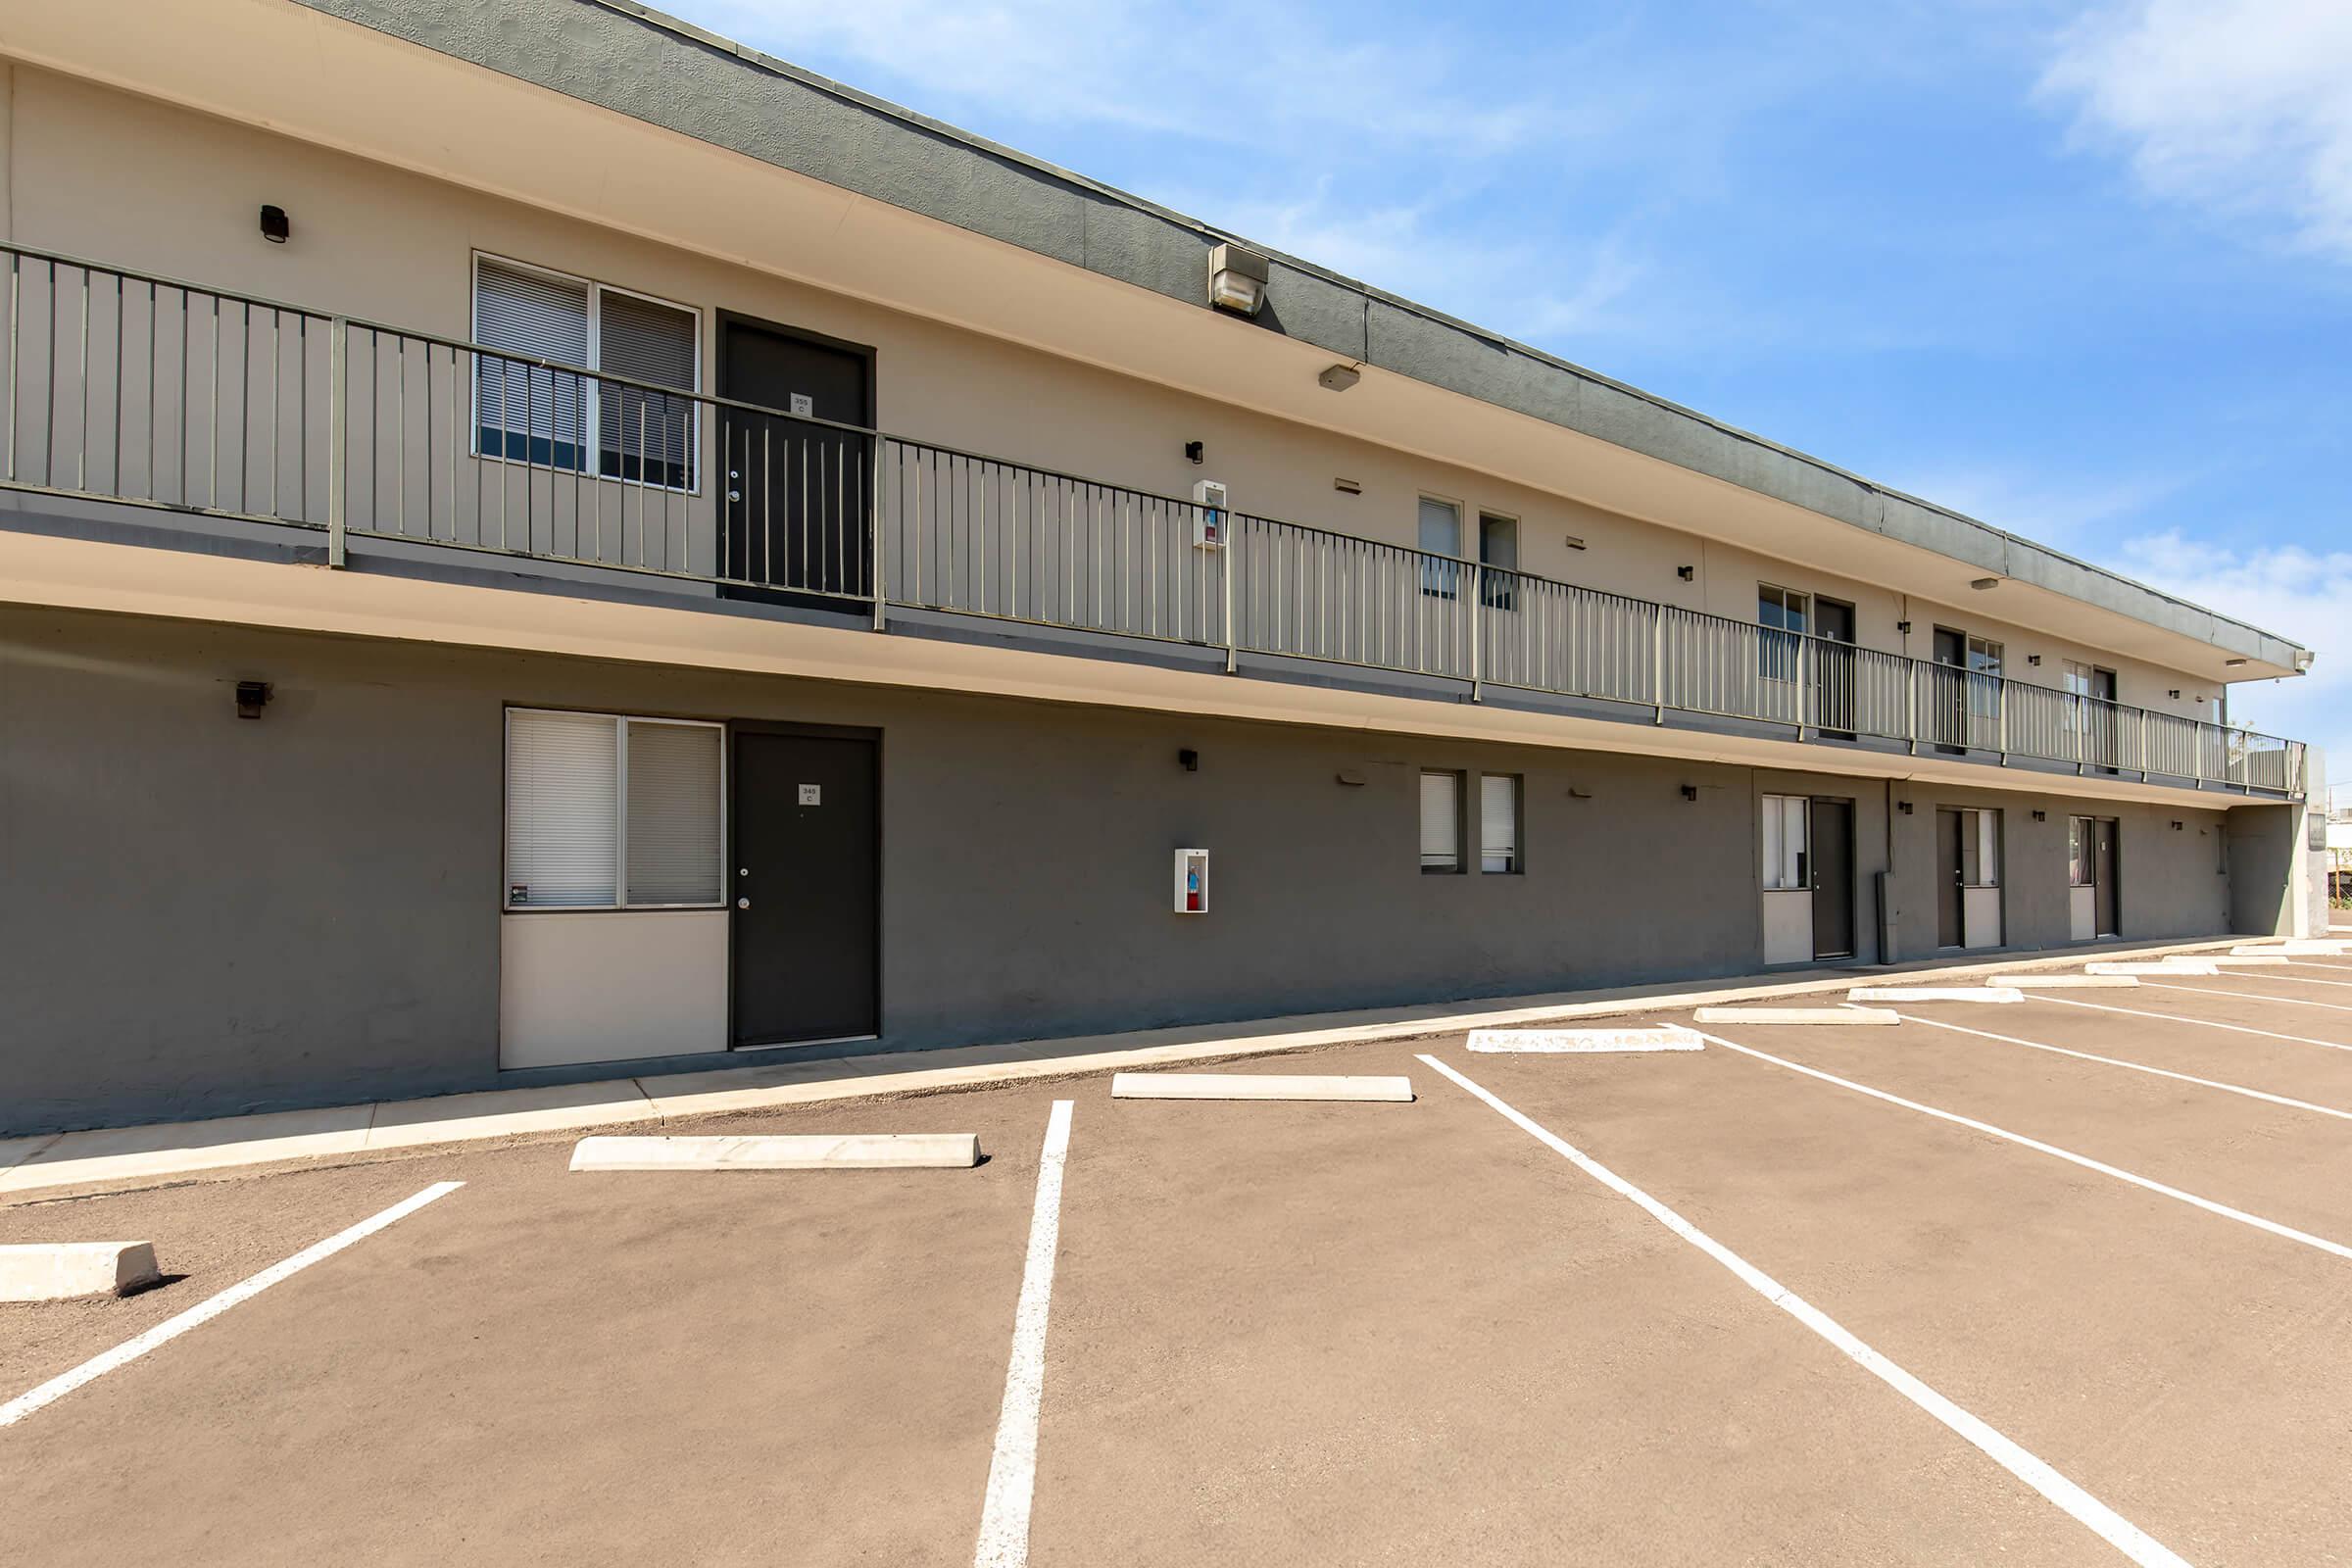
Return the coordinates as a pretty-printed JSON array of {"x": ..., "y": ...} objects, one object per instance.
[{"x": 152, "y": 392}]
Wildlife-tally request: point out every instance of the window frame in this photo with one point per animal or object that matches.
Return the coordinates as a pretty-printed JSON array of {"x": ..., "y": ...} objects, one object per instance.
[
  {"x": 1773, "y": 815},
  {"x": 1517, "y": 851},
  {"x": 1779, "y": 648},
  {"x": 621, "y": 812},
  {"x": 591, "y": 441},
  {"x": 1459, "y": 827},
  {"x": 2082, "y": 851},
  {"x": 1493, "y": 594},
  {"x": 1441, "y": 578}
]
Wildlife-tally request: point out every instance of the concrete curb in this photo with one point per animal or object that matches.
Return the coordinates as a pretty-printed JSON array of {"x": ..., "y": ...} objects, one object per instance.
[
  {"x": 66, "y": 1271},
  {"x": 2061, "y": 982},
  {"x": 1256, "y": 1085},
  {"x": 805, "y": 1151},
  {"x": 1834, "y": 1018},
  {"x": 49, "y": 1160},
  {"x": 1570, "y": 1042},
  {"x": 2186, "y": 966},
  {"x": 1899, "y": 994}
]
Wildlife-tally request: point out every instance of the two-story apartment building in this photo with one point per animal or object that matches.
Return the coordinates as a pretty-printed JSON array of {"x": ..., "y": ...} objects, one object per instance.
[{"x": 536, "y": 540}]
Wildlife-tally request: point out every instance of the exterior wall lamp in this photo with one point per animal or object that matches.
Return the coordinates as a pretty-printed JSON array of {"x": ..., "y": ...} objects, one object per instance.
[
  {"x": 1985, "y": 584},
  {"x": 1338, "y": 377},
  {"x": 1237, "y": 279},
  {"x": 276, "y": 227},
  {"x": 252, "y": 697}
]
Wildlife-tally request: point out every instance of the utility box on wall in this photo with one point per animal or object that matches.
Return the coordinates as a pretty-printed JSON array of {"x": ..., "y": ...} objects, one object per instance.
[
  {"x": 1191, "y": 881},
  {"x": 1209, "y": 515}
]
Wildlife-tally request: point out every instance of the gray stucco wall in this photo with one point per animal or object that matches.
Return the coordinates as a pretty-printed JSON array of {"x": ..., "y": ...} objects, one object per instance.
[{"x": 204, "y": 915}]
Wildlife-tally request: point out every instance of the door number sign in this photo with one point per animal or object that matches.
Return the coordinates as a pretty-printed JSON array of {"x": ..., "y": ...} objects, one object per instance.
[{"x": 812, "y": 795}]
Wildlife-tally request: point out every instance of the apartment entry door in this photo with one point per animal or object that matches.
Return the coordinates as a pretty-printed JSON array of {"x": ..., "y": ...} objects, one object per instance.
[
  {"x": 1967, "y": 877},
  {"x": 796, "y": 512},
  {"x": 2091, "y": 905},
  {"x": 1808, "y": 879},
  {"x": 806, "y": 888}
]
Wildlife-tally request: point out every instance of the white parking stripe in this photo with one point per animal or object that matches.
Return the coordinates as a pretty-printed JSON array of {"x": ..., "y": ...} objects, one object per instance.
[
  {"x": 2250, "y": 995},
  {"x": 2287, "y": 1232},
  {"x": 2137, "y": 1066},
  {"x": 2201, "y": 1023},
  {"x": 2307, "y": 980},
  {"x": 212, "y": 1306},
  {"x": 1012, "y": 1469},
  {"x": 2111, "y": 1526}
]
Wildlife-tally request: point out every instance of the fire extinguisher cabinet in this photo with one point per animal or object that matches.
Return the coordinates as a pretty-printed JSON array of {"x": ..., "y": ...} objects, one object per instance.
[{"x": 1191, "y": 881}]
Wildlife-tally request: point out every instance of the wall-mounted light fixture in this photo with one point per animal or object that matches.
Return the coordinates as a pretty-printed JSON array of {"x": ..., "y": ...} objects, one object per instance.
[
  {"x": 1237, "y": 279},
  {"x": 2233, "y": 664},
  {"x": 252, "y": 697},
  {"x": 276, "y": 227},
  {"x": 2042, "y": 817},
  {"x": 1576, "y": 794},
  {"x": 2034, "y": 659},
  {"x": 1985, "y": 584},
  {"x": 1686, "y": 572},
  {"x": 1903, "y": 807},
  {"x": 1189, "y": 760},
  {"x": 1902, "y": 628},
  {"x": 2176, "y": 824},
  {"x": 1194, "y": 451},
  {"x": 2174, "y": 694},
  {"x": 1351, "y": 777},
  {"x": 1338, "y": 377},
  {"x": 1573, "y": 542},
  {"x": 1690, "y": 792},
  {"x": 1348, "y": 487}
]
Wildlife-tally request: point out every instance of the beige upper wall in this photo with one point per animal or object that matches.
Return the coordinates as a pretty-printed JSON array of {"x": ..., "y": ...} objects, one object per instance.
[{"x": 132, "y": 182}]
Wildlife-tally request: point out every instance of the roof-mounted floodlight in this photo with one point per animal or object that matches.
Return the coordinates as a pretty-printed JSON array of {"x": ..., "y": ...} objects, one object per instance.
[{"x": 1237, "y": 279}]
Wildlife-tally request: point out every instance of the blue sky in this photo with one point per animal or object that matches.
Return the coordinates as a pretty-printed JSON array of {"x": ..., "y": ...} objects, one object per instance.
[{"x": 2081, "y": 270}]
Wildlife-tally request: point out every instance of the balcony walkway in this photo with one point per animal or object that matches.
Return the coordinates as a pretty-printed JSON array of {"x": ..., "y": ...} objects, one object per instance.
[{"x": 234, "y": 413}]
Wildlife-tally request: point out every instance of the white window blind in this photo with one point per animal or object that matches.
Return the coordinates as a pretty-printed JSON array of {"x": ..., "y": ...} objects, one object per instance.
[
  {"x": 1986, "y": 871},
  {"x": 573, "y": 801},
  {"x": 1440, "y": 821},
  {"x": 1441, "y": 535},
  {"x": 1499, "y": 822},
  {"x": 1785, "y": 841},
  {"x": 562, "y": 790},
  {"x": 673, "y": 813},
  {"x": 2078, "y": 852},
  {"x": 523, "y": 413},
  {"x": 645, "y": 434}
]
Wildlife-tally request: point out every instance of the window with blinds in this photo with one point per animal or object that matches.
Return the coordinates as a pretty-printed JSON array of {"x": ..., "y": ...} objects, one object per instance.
[
  {"x": 1499, "y": 822},
  {"x": 644, "y": 436},
  {"x": 1786, "y": 824},
  {"x": 562, "y": 419},
  {"x": 606, "y": 811},
  {"x": 1440, "y": 822},
  {"x": 1441, "y": 535}
]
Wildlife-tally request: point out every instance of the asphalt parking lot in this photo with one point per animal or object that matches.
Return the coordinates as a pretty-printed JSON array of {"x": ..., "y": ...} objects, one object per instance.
[{"x": 2060, "y": 1281}]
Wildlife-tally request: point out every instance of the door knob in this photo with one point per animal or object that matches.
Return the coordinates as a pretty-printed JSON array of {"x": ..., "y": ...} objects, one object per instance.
[{"x": 743, "y": 903}]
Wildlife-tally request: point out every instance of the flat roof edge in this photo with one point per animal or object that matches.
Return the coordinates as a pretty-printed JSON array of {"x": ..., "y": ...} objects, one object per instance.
[{"x": 642, "y": 62}]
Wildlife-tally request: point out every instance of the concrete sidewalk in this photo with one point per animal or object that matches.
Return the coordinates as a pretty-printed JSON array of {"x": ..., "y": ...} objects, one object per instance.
[{"x": 111, "y": 1155}]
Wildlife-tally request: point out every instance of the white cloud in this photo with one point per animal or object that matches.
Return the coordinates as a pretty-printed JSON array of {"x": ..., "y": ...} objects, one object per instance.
[
  {"x": 2301, "y": 594},
  {"x": 2244, "y": 107}
]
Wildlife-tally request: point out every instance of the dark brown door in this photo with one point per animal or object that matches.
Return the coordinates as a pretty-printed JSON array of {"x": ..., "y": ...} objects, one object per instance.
[
  {"x": 1949, "y": 842},
  {"x": 2102, "y": 863},
  {"x": 2103, "y": 721},
  {"x": 797, "y": 511},
  {"x": 1835, "y": 671},
  {"x": 806, "y": 888},
  {"x": 1832, "y": 878},
  {"x": 1946, "y": 710}
]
